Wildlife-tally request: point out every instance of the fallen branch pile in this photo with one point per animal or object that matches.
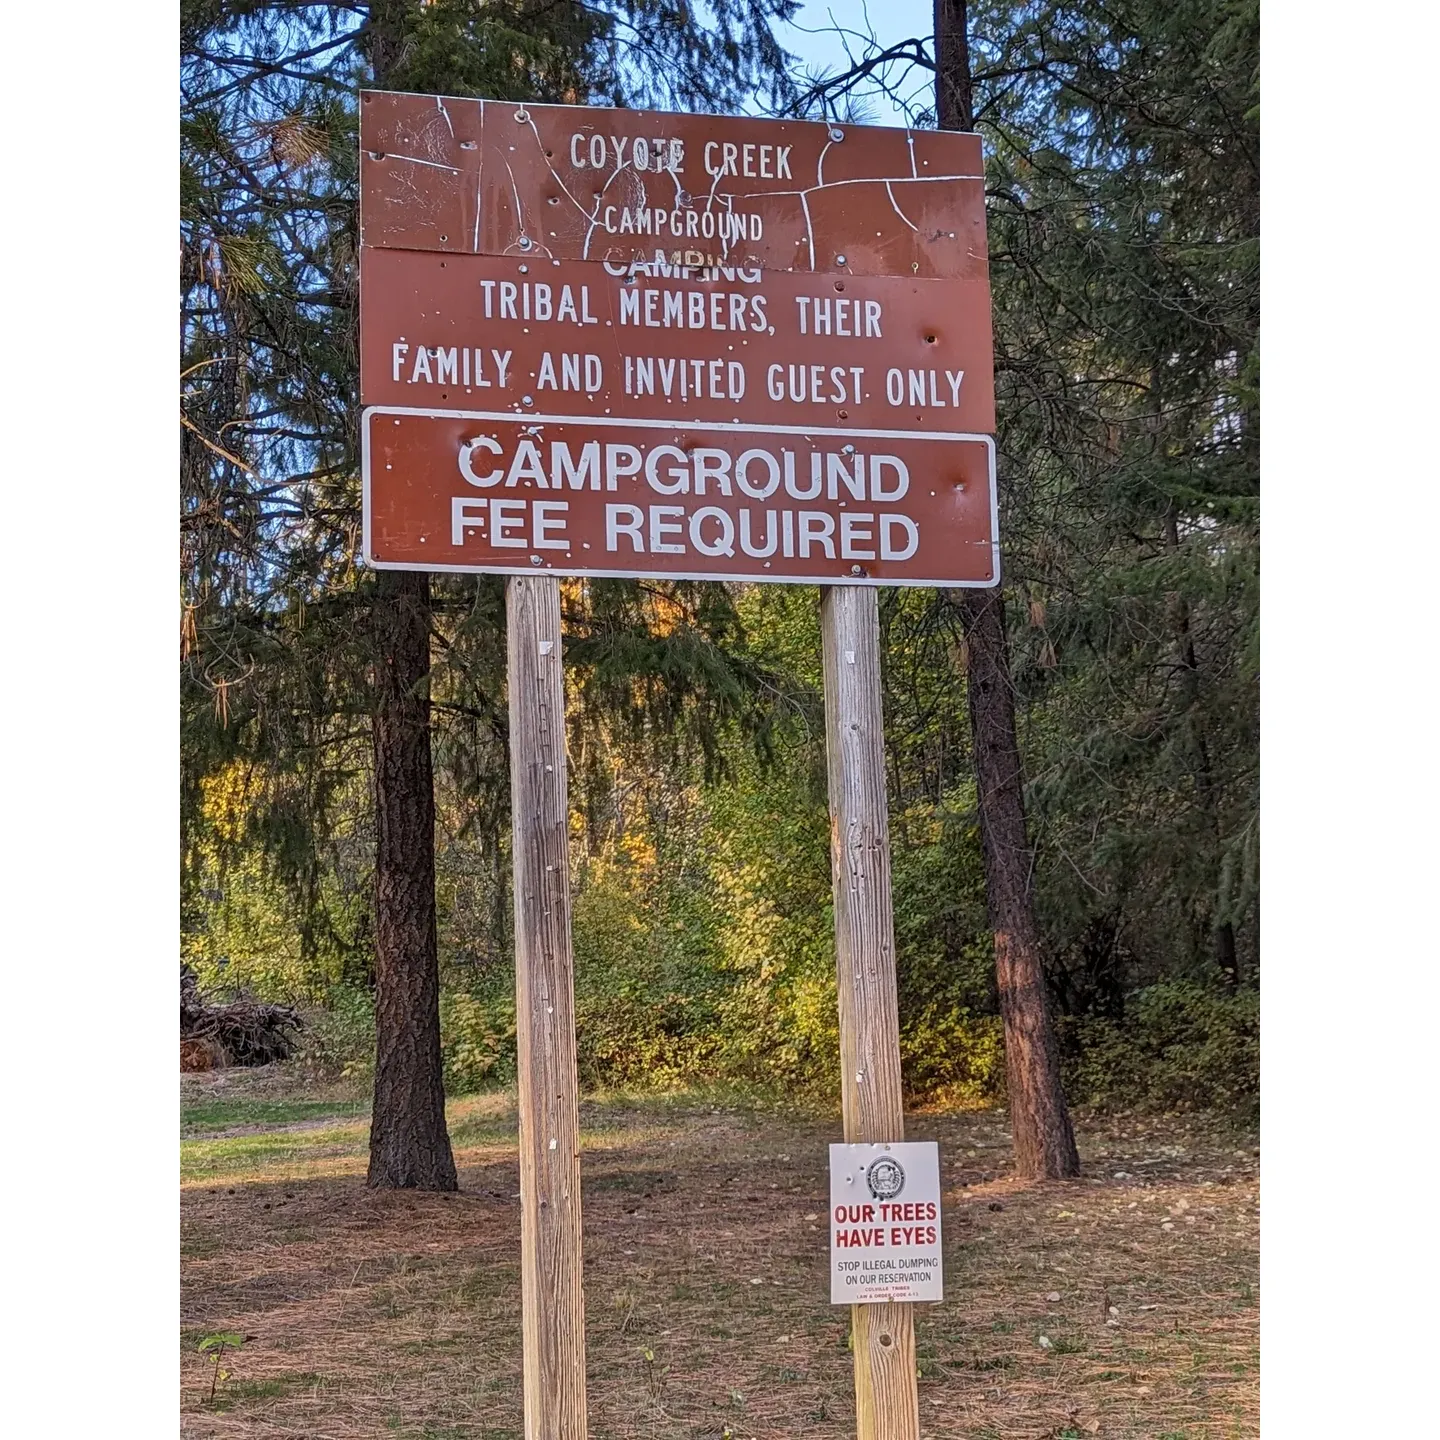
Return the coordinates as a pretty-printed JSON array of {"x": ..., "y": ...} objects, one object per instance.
[{"x": 244, "y": 1032}]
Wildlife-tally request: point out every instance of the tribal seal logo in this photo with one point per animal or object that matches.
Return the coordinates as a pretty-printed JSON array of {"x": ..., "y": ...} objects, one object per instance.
[{"x": 885, "y": 1178}]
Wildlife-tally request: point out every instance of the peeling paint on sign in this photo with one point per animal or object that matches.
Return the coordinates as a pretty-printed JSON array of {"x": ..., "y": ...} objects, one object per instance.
[
  {"x": 619, "y": 342},
  {"x": 582, "y": 183}
]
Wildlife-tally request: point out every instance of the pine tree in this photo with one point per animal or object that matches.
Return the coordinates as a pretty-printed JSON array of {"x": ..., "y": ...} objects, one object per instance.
[
  {"x": 268, "y": 268},
  {"x": 1041, "y": 1133},
  {"x": 1122, "y": 182}
]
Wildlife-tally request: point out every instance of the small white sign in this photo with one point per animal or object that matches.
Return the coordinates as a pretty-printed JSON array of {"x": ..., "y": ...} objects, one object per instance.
[{"x": 885, "y": 1223}]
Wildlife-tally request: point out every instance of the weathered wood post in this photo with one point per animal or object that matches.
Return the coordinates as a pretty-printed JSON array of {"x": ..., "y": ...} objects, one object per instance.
[
  {"x": 886, "y": 1403},
  {"x": 552, "y": 1292},
  {"x": 449, "y": 434}
]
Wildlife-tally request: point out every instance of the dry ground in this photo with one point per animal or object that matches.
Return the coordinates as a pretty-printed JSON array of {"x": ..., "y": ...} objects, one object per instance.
[{"x": 398, "y": 1314}]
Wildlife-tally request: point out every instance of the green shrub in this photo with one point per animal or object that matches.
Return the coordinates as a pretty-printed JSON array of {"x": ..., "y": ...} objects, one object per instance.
[
  {"x": 339, "y": 1039},
  {"x": 477, "y": 1040},
  {"x": 1181, "y": 1046},
  {"x": 641, "y": 1041},
  {"x": 952, "y": 1057},
  {"x": 243, "y": 929}
]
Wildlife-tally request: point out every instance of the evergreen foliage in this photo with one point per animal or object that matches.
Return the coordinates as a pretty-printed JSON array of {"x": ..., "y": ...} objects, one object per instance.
[
  {"x": 1122, "y": 154},
  {"x": 274, "y": 643}
]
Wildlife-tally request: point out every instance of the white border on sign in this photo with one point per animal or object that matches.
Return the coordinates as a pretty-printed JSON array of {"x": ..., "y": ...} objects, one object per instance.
[{"x": 511, "y": 416}]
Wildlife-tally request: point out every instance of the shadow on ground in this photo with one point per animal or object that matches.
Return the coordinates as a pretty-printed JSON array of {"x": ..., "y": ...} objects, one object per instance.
[{"x": 1123, "y": 1305}]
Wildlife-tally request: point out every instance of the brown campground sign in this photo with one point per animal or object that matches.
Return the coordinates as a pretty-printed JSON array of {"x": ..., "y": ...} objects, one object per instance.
[{"x": 615, "y": 342}]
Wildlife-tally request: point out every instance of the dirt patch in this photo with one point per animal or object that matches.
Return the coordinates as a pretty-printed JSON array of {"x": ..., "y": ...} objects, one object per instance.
[{"x": 399, "y": 1313}]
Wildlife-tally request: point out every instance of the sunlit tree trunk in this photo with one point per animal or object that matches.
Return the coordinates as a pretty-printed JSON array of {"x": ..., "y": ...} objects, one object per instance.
[{"x": 1039, "y": 1121}]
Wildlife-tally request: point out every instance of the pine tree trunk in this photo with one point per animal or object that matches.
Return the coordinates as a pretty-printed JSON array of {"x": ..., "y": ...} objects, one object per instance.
[
  {"x": 409, "y": 1145},
  {"x": 954, "y": 92},
  {"x": 1039, "y": 1121}
]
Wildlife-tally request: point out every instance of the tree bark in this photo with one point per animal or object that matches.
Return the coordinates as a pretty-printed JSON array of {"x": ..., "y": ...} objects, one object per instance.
[
  {"x": 954, "y": 92},
  {"x": 1039, "y": 1121},
  {"x": 409, "y": 1145}
]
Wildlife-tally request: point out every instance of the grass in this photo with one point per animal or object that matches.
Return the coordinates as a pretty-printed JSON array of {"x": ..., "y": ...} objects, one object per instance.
[
  {"x": 274, "y": 1155},
  {"x": 228, "y": 1113},
  {"x": 247, "y": 1131},
  {"x": 372, "y": 1313}
]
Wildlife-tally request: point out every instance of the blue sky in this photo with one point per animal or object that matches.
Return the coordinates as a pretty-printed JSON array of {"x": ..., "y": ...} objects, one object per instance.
[{"x": 814, "y": 40}]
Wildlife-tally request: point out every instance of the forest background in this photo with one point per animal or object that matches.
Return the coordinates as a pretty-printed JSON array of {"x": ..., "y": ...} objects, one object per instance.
[{"x": 1122, "y": 179}]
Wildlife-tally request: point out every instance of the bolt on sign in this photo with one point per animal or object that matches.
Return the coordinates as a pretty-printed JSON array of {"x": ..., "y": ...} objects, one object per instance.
[
  {"x": 621, "y": 342},
  {"x": 885, "y": 1223}
]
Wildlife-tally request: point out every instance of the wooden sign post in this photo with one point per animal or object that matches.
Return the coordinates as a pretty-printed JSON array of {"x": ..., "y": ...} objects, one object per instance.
[
  {"x": 552, "y": 1293},
  {"x": 623, "y": 343},
  {"x": 886, "y": 1405}
]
